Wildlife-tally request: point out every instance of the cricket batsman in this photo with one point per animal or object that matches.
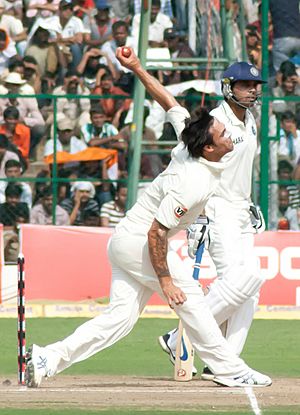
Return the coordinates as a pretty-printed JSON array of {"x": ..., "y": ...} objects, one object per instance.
[{"x": 232, "y": 218}]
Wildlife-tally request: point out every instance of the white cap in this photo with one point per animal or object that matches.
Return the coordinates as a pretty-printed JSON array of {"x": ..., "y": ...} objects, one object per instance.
[
  {"x": 14, "y": 78},
  {"x": 84, "y": 186}
]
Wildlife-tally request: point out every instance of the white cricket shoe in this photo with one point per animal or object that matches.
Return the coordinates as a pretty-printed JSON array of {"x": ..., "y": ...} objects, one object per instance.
[
  {"x": 207, "y": 374},
  {"x": 164, "y": 344},
  {"x": 37, "y": 366},
  {"x": 252, "y": 379}
]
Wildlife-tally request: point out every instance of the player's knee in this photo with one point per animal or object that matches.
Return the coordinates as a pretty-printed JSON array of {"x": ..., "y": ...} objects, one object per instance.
[{"x": 240, "y": 290}]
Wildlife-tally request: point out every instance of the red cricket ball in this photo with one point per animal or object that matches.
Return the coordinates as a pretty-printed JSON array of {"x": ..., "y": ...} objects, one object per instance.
[{"x": 126, "y": 52}]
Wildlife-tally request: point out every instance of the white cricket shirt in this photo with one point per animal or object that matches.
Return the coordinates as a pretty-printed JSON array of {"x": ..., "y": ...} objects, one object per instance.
[
  {"x": 235, "y": 183},
  {"x": 176, "y": 196}
]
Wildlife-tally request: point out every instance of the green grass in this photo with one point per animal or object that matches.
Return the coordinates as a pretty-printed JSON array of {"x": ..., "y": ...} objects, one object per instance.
[{"x": 272, "y": 347}]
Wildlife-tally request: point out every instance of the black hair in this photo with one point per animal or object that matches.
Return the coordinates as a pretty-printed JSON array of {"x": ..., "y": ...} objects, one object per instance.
[
  {"x": 22, "y": 211},
  {"x": 121, "y": 185},
  {"x": 71, "y": 72},
  {"x": 288, "y": 67},
  {"x": 13, "y": 189},
  {"x": 30, "y": 59},
  {"x": 156, "y": 3},
  {"x": 11, "y": 112},
  {"x": 196, "y": 134},
  {"x": 15, "y": 63},
  {"x": 3, "y": 34},
  {"x": 46, "y": 192},
  {"x": 119, "y": 23},
  {"x": 107, "y": 75},
  {"x": 284, "y": 164},
  {"x": 12, "y": 163},
  {"x": 97, "y": 109},
  {"x": 3, "y": 141},
  {"x": 288, "y": 115},
  {"x": 287, "y": 75}
]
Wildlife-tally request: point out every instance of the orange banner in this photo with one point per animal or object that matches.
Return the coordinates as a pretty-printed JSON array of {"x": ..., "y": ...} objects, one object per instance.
[{"x": 70, "y": 263}]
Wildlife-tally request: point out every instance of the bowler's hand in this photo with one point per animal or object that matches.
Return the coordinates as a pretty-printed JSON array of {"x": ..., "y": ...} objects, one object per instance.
[
  {"x": 173, "y": 294},
  {"x": 132, "y": 62}
]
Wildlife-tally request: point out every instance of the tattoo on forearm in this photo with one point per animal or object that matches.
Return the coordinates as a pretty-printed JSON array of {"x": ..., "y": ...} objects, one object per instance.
[{"x": 158, "y": 248}]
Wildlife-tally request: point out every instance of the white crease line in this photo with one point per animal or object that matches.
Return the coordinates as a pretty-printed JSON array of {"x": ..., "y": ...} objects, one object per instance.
[
  {"x": 253, "y": 401},
  {"x": 214, "y": 391}
]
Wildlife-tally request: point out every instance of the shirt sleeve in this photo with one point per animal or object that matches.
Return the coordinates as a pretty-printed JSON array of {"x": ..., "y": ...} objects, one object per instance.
[
  {"x": 177, "y": 116},
  {"x": 170, "y": 211}
]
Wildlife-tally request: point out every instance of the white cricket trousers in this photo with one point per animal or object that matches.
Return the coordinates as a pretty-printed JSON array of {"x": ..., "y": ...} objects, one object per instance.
[
  {"x": 133, "y": 282},
  {"x": 233, "y": 296}
]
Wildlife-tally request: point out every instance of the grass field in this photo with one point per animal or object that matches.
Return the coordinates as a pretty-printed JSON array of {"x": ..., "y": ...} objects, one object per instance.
[{"x": 272, "y": 347}]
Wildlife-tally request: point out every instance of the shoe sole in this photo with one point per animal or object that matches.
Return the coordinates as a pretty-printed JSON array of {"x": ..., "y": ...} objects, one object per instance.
[
  {"x": 231, "y": 383},
  {"x": 206, "y": 376},
  {"x": 167, "y": 350},
  {"x": 29, "y": 371}
]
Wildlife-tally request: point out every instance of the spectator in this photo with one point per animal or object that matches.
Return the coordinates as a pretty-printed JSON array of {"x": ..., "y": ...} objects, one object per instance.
[
  {"x": 289, "y": 87},
  {"x": 112, "y": 212},
  {"x": 46, "y": 54},
  {"x": 66, "y": 140},
  {"x": 27, "y": 107},
  {"x": 14, "y": 8},
  {"x": 287, "y": 68},
  {"x": 7, "y": 50},
  {"x": 81, "y": 200},
  {"x": 39, "y": 186},
  {"x": 66, "y": 30},
  {"x": 100, "y": 132},
  {"x": 32, "y": 74},
  {"x": 90, "y": 68},
  {"x": 115, "y": 109},
  {"x": 97, "y": 170},
  {"x": 100, "y": 23},
  {"x": 287, "y": 216},
  {"x": 120, "y": 38},
  {"x": 15, "y": 131},
  {"x": 286, "y": 24},
  {"x": 75, "y": 109},
  {"x": 285, "y": 172},
  {"x": 5, "y": 155},
  {"x": 13, "y": 170},
  {"x": 12, "y": 212},
  {"x": 12, "y": 208},
  {"x": 253, "y": 44},
  {"x": 14, "y": 28},
  {"x": 158, "y": 23},
  {"x": 41, "y": 8},
  {"x": 121, "y": 9},
  {"x": 41, "y": 213},
  {"x": 90, "y": 218},
  {"x": 289, "y": 144},
  {"x": 178, "y": 49}
]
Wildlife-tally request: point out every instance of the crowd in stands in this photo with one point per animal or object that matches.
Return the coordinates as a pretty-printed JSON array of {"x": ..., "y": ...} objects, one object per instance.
[{"x": 67, "y": 48}]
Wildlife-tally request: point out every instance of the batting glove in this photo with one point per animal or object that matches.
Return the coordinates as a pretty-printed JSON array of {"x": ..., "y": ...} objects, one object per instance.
[
  {"x": 197, "y": 233},
  {"x": 257, "y": 218}
]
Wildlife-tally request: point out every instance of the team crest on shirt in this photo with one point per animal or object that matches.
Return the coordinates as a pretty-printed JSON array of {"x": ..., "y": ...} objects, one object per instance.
[
  {"x": 253, "y": 130},
  {"x": 179, "y": 211}
]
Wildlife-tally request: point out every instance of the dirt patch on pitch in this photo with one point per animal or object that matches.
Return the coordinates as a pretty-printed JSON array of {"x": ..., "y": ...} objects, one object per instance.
[{"x": 99, "y": 392}]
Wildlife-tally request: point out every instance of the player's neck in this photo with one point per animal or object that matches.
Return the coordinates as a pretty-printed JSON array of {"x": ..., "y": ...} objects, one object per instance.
[{"x": 238, "y": 111}]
